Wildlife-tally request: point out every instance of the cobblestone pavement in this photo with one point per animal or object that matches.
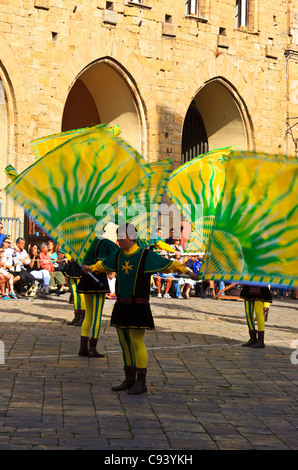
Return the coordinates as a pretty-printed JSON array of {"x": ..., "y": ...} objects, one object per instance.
[{"x": 205, "y": 391}]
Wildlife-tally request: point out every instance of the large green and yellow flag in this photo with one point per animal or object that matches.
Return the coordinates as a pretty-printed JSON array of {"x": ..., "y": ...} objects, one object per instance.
[
  {"x": 255, "y": 235},
  {"x": 196, "y": 188},
  {"x": 72, "y": 191}
]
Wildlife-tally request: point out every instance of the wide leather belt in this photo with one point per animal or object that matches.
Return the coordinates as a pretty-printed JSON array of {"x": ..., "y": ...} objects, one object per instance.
[{"x": 130, "y": 300}]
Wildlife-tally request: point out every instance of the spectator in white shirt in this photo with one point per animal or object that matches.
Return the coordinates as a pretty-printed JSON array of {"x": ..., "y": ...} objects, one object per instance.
[
  {"x": 22, "y": 259},
  {"x": 35, "y": 268},
  {"x": 8, "y": 259}
]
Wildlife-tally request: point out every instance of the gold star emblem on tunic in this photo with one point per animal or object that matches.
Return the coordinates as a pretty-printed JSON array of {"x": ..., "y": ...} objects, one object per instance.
[{"x": 126, "y": 267}]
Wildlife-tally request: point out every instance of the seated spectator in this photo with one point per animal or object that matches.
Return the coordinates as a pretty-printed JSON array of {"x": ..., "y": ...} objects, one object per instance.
[
  {"x": 171, "y": 238},
  {"x": 186, "y": 287},
  {"x": 178, "y": 249},
  {"x": 22, "y": 259},
  {"x": 160, "y": 245},
  {"x": 281, "y": 293},
  {"x": 168, "y": 280},
  {"x": 59, "y": 260},
  {"x": 62, "y": 262},
  {"x": 179, "y": 257},
  {"x": 6, "y": 280},
  {"x": 194, "y": 262},
  {"x": 51, "y": 250},
  {"x": 212, "y": 287},
  {"x": 47, "y": 263},
  {"x": 177, "y": 286},
  {"x": 221, "y": 286},
  {"x": 3, "y": 287},
  {"x": 196, "y": 268},
  {"x": 57, "y": 257},
  {"x": 193, "y": 265},
  {"x": 36, "y": 270},
  {"x": 8, "y": 251},
  {"x": 153, "y": 286},
  {"x": 61, "y": 257}
]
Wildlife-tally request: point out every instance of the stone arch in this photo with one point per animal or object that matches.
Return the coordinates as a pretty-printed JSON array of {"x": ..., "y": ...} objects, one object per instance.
[
  {"x": 14, "y": 94},
  {"x": 12, "y": 72},
  {"x": 224, "y": 114},
  {"x": 222, "y": 70},
  {"x": 105, "y": 93}
]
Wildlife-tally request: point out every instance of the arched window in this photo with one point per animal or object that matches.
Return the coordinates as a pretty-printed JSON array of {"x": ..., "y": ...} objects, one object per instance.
[{"x": 104, "y": 93}]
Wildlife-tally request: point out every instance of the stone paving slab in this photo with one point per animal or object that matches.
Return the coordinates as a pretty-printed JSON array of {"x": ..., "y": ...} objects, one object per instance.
[{"x": 205, "y": 391}]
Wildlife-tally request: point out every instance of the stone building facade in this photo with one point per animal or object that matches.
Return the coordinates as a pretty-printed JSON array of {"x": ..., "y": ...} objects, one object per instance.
[{"x": 178, "y": 76}]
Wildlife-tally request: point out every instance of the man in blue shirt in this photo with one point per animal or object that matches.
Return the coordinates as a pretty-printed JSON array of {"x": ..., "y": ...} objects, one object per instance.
[{"x": 2, "y": 236}]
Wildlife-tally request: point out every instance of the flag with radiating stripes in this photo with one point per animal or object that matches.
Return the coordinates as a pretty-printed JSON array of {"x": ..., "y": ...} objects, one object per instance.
[
  {"x": 255, "y": 234},
  {"x": 72, "y": 191},
  {"x": 196, "y": 188}
]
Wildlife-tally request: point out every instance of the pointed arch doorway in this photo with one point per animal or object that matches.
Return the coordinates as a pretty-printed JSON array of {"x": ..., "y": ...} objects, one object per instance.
[{"x": 216, "y": 118}]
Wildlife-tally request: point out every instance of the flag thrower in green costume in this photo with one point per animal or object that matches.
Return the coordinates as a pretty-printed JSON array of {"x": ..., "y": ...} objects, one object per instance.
[
  {"x": 131, "y": 312},
  {"x": 255, "y": 234},
  {"x": 196, "y": 188}
]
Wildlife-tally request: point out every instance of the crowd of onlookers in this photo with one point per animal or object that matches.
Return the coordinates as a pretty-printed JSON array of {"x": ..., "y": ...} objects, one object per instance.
[
  {"x": 181, "y": 287},
  {"x": 23, "y": 273},
  {"x": 173, "y": 285}
]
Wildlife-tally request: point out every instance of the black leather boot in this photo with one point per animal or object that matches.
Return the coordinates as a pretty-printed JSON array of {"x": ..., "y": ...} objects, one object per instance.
[
  {"x": 253, "y": 338},
  {"x": 260, "y": 341},
  {"x": 129, "y": 381},
  {"x": 75, "y": 318},
  {"x": 84, "y": 346},
  {"x": 140, "y": 385},
  {"x": 92, "y": 349}
]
